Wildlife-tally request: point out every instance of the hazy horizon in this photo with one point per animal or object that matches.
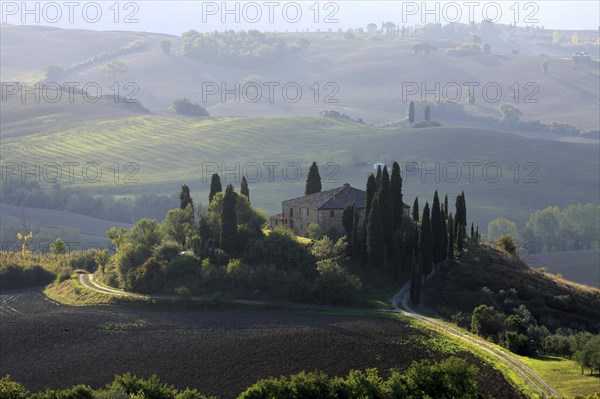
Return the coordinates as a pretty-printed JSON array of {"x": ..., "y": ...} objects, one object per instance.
[{"x": 179, "y": 16}]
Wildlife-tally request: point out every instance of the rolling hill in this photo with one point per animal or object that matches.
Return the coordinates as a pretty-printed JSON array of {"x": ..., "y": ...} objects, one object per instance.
[
  {"x": 166, "y": 152},
  {"x": 368, "y": 73}
]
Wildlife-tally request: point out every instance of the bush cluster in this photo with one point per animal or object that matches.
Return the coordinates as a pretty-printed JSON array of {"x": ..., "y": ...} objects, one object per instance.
[{"x": 450, "y": 378}]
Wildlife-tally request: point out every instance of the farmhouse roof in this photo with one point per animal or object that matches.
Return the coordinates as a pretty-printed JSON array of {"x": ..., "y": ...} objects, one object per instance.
[{"x": 336, "y": 198}]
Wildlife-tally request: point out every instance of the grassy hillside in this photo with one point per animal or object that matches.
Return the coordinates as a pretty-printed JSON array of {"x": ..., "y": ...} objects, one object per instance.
[
  {"x": 369, "y": 74},
  {"x": 578, "y": 266},
  {"x": 170, "y": 151},
  {"x": 483, "y": 271}
]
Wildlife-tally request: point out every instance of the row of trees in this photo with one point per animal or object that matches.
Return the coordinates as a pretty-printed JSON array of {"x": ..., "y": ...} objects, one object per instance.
[
  {"x": 519, "y": 332},
  {"x": 249, "y": 47},
  {"x": 575, "y": 227},
  {"x": 126, "y": 210},
  {"x": 454, "y": 378},
  {"x": 388, "y": 238}
]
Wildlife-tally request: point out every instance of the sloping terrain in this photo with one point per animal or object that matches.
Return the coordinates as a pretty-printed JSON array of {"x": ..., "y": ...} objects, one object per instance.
[
  {"x": 512, "y": 175},
  {"x": 369, "y": 74},
  {"x": 460, "y": 287}
]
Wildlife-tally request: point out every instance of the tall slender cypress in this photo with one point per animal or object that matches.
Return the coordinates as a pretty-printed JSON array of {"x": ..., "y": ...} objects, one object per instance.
[
  {"x": 451, "y": 231},
  {"x": 446, "y": 209},
  {"x": 396, "y": 190},
  {"x": 185, "y": 198},
  {"x": 378, "y": 176},
  {"x": 460, "y": 219},
  {"x": 460, "y": 238},
  {"x": 244, "y": 190},
  {"x": 415, "y": 210},
  {"x": 313, "y": 180},
  {"x": 375, "y": 247},
  {"x": 444, "y": 248},
  {"x": 215, "y": 186},
  {"x": 425, "y": 242},
  {"x": 436, "y": 230},
  {"x": 355, "y": 243},
  {"x": 386, "y": 212},
  {"x": 370, "y": 193},
  {"x": 229, "y": 221},
  {"x": 415, "y": 282}
]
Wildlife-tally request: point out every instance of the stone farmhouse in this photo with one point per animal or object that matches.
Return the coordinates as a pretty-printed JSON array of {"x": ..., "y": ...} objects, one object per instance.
[{"x": 324, "y": 208}]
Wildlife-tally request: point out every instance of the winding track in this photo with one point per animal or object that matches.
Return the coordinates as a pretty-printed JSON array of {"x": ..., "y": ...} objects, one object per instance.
[{"x": 400, "y": 303}]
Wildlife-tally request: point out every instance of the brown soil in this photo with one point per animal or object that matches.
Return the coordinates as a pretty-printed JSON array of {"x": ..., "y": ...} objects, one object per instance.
[{"x": 219, "y": 352}]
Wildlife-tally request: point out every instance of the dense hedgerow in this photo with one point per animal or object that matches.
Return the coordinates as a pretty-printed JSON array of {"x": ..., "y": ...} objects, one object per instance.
[{"x": 450, "y": 378}]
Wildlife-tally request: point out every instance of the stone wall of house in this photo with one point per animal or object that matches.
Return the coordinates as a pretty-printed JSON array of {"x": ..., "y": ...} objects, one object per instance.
[{"x": 302, "y": 218}]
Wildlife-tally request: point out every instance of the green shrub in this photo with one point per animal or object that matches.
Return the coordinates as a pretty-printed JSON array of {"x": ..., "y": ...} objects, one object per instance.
[
  {"x": 507, "y": 243},
  {"x": 166, "y": 251},
  {"x": 149, "y": 277},
  {"x": 63, "y": 275},
  {"x": 450, "y": 378},
  {"x": 18, "y": 272},
  {"x": 315, "y": 232},
  {"x": 334, "y": 284},
  {"x": 12, "y": 390},
  {"x": 77, "y": 392}
]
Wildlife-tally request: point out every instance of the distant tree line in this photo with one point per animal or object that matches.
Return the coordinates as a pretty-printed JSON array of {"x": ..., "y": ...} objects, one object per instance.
[
  {"x": 238, "y": 47},
  {"x": 576, "y": 227},
  {"x": 125, "y": 210},
  {"x": 510, "y": 118},
  {"x": 185, "y": 107}
]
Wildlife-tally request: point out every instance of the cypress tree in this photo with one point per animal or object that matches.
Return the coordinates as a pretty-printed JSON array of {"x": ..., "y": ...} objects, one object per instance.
[
  {"x": 385, "y": 209},
  {"x": 414, "y": 282},
  {"x": 461, "y": 217},
  {"x": 370, "y": 193},
  {"x": 419, "y": 281},
  {"x": 427, "y": 113},
  {"x": 397, "y": 253},
  {"x": 436, "y": 230},
  {"x": 450, "y": 237},
  {"x": 378, "y": 176},
  {"x": 215, "y": 186},
  {"x": 472, "y": 232},
  {"x": 444, "y": 240},
  {"x": 185, "y": 198},
  {"x": 460, "y": 238},
  {"x": 411, "y": 113},
  {"x": 426, "y": 242},
  {"x": 348, "y": 219},
  {"x": 375, "y": 235},
  {"x": 229, "y": 221},
  {"x": 464, "y": 212},
  {"x": 244, "y": 190},
  {"x": 415, "y": 210},
  {"x": 446, "y": 209},
  {"x": 313, "y": 180},
  {"x": 355, "y": 243},
  {"x": 396, "y": 190},
  {"x": 415, "y": 240}
]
